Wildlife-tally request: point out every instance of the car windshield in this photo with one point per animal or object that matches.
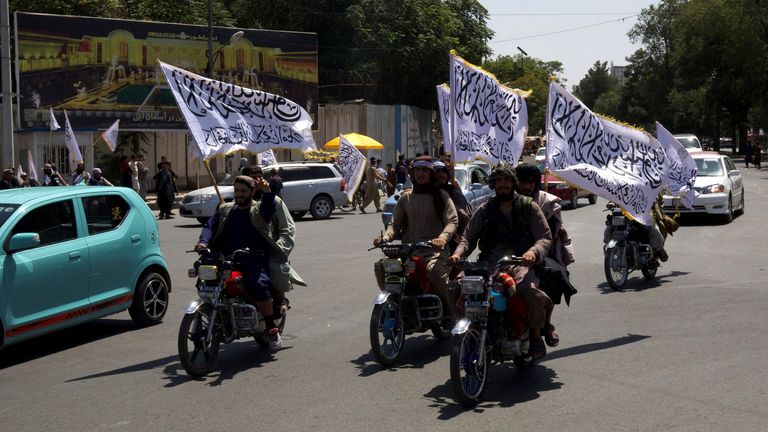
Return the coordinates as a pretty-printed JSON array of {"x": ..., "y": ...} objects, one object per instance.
[
  {"x": 461, "y": 177},
  {"x": 709, "y": 167},
  {"x": 542, "y": 152},
  {"x": 6, "y": 210},
  {"x": 689, "y": 142}
]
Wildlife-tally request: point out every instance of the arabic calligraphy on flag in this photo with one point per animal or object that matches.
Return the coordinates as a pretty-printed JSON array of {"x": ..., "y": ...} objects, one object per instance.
[
  {"x": 488, "y": 120},
  {"x": 224, "y": 117},
  {"x": 682, "y": 167},
  {"x": 615, "y": 161},
  {"x": 444, "y": 107},
  {"x": 352, "y": 164}
]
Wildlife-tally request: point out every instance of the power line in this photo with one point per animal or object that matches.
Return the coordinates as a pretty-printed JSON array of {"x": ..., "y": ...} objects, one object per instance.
[
  {"x": 562, "y": 14},
  {"x": 564, "y": 30}
]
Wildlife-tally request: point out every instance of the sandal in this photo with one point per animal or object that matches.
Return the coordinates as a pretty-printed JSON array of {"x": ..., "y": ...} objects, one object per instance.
[
  {"x": 550, "y": 335},
  {"x": 537, "y": 350}
]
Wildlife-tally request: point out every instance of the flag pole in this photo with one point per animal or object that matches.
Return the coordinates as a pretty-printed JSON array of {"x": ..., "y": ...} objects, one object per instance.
[
  {"x": 50, "y": 151},
  {"x": 213, "y": 179}
]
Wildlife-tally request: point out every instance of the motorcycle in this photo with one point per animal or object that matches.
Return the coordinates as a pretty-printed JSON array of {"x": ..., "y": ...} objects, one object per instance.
[
  {"x": 493, "y": 330},
  {"x": 627, "y": 249},
  {"x": 221, "y": 314},
  {"x": 407, "y": 303}
]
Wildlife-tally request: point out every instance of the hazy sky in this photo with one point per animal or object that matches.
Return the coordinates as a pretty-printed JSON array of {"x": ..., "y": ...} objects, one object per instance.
[{"x": 517, "y": 22}]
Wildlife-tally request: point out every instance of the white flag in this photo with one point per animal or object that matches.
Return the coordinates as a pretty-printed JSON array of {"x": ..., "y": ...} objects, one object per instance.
[
  {"x": 18, "y": 174},
  {"x": 193, "y": 150},
  {"x": 682, "y": 167},
  {"x": 110, "y": 135},
  {"x": 352, "y": 164},
  {"x": 488, "y": 120},
  {"x": 444, "y": 107},
  {"x": 267, "y": 157},
  {"x": 224, "y": 118},
  {"x": 69, "y": 139},
  {"x": 617, "y": 162},
  {"x": 54, "y": 123},
  {"x": 31, "y": 170}
]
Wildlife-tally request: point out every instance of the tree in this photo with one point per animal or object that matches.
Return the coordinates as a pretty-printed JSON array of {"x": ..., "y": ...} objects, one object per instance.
[{"x": 597, "y": 81}]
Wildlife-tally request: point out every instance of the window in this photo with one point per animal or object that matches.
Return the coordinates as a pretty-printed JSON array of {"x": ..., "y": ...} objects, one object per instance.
[
  {"x": 478, "y": 176},
  {"x": 320, "y": 172},
  {"x": 104, "y": 212},
  {"x": 53, "y": 222},
  {"x": 6, "y": 210}
]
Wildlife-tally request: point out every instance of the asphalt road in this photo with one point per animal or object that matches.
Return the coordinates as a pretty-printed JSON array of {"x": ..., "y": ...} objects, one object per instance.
[{"x": 686, "y": 352}]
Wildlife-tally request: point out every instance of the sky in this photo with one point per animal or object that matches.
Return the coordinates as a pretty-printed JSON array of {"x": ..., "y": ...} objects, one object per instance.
[{"x": 517, "y": 22}]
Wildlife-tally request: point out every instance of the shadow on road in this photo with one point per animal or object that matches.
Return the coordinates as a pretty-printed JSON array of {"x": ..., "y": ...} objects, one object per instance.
[
  {"x": 63, "y": 340},
  {"x": 194, "y": 225},
  {"x": 638, "y": 283},
  {"x": 419, "y": 351},
  {"x": 508, "y": 385},
  {"x": 233, "y": 358}
]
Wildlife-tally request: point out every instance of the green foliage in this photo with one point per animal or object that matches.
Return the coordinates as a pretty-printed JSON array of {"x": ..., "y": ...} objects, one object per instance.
[{"x": 597, "y": 81}]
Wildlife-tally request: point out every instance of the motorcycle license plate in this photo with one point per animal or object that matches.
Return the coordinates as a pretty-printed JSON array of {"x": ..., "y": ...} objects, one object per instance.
[{"x": 617, "y": 220}]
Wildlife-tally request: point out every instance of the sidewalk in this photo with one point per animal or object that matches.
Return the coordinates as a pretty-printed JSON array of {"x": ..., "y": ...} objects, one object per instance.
[{"x": 152, "y": 201}]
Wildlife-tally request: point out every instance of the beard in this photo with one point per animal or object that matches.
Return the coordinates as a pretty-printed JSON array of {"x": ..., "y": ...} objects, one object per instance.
[
  {"x": 243, "y": 202},
  {"x": 505, "y": 196}
]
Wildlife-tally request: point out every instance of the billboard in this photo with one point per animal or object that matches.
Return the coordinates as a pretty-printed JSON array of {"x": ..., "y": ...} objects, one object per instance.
[{"x": 101, "y": 70}]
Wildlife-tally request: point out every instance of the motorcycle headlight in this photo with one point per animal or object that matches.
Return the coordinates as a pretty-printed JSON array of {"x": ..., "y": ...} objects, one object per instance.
[
  {"x": 715, "y": 188},
  {"x": 472, "y": 284},
  {"x": 392, "y": 265},
  {"x": 208, "y": 272}
]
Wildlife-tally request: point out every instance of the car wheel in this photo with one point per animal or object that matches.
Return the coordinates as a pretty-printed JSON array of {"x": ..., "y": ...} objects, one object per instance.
[
  {"x": 298, "y": 214},
  {"x": 574, "y": 199},
  {"x": 741, "y": 207},
  {"x": 593, "y": 199},
  {"x": 321, "y": 207},
  {"x": 202, "y": 220},
  {"x": 150, "y": 301},
  {"x": 729, "y": 216}
]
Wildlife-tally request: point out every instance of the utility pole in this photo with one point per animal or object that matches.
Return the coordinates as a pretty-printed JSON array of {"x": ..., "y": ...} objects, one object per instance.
[{"x": 7, "y": 152}]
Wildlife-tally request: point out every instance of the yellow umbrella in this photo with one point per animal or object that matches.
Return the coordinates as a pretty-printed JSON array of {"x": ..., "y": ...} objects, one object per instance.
[{"x": 362, "y": 142}]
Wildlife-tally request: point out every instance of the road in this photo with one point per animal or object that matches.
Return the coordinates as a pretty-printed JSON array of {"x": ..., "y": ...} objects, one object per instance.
[{"x": 686, "y": 352}]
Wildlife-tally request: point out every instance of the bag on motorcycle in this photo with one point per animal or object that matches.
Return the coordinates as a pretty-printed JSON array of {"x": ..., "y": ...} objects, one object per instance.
[
  {"x": 283, "y": 276},
  {"x": 555, "y": 282}
]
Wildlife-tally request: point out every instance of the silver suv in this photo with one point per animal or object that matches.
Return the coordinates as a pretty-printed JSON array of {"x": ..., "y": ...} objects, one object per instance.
[{"x": 311, "y": 187}]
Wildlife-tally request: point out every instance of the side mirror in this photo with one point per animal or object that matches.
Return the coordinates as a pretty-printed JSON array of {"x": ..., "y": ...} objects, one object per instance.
[{"x": 22, "y": 241}]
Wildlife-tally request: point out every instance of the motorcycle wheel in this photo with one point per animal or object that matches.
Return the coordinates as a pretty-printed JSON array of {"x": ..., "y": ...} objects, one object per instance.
[
  {"x": 615, "y": 267},
  {"x": 387, "y": 332},
  {"x": 469, "y": 367},
  {"x": 196, "y": 356},
  {"x": 439, "y": 332}
]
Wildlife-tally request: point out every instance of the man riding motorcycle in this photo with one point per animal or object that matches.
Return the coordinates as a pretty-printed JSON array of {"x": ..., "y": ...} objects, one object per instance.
[
  {"x": 426, "y": 213},
  {"x": 445, "y": 181},
  {"x": 655, "y": 233},
  {"x": 247, "y": 223},
  {"x": 507, "y": 224}
]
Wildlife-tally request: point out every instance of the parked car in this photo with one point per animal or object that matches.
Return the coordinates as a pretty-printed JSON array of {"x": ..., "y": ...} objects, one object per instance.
[
  {"x": 312, "y": 187},
  {"x": 690, "y": 142},
  {"x": 473, "y": 180},
  {"x": 719, "y": 187},
  {"x": 541, "y": 154},
  {"x": 74, "y": 254},
  {"x": 569, "y": 194}
]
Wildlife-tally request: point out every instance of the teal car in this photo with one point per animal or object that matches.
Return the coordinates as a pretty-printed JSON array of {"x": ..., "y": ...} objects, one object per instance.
[{"x": 74, "y": 254}]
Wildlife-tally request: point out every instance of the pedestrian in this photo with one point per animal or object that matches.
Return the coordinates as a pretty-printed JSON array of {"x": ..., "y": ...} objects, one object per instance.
[
  {"x": 6, "y": 182},
  {"x": 382, "y": 184},
  {"x": 134, "y": 165},
  {"x": 748, "y": 154},
  {"x": 141, "y": 167},
  {"x": 166, "y": 191},
  {"x": 80, "y": 176},
  {"x": 51, "y": 176},
  {"x": 97, "y": 179},
  {"x": 371, "y": 190},
  {"x": 125, "y": 172},
  {"x": 391, "y": 180},
  {"x": 757, "y": 156}
]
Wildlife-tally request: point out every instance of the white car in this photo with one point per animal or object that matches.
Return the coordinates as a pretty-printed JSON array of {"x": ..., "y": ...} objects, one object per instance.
[
  {"x": 311, "y": 187},
  {"x": 541, "y": 154},
  {"x": 690, "y": 142},
  {"x": 719, "y": 186}
]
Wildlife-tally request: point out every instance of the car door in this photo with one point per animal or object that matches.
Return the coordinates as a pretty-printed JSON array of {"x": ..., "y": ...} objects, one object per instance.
[
  {"x": 47, "y": 286},
  {"x": 297, "y": 188},
  {"x": 117, "y": 239},
  {"x": 737, "y": 182}
]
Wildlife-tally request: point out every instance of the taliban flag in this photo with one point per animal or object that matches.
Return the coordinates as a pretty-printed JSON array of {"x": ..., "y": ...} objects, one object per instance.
[
  {"x": 444, "y": 107},
  {"x": 267, "y": 157},
  {"x": 682, "y": 167},
  {"x": 224, "y": 117},
  {"x": 352, "y": 164},
  {"x": 618, "y": 162},
  {"x": 110, "y": 135},
  {"x": 54, "y": 123},
  {"x": 488, "y": 120},
  {"x": 31, "y": 169},
  {"x": 69, "y": 139}
]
